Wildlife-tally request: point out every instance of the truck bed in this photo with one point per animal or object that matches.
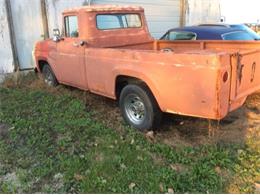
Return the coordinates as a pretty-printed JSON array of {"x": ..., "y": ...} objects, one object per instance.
[
  {"x": 244, "y": 61},
  {"x": 182, "y": 46}
]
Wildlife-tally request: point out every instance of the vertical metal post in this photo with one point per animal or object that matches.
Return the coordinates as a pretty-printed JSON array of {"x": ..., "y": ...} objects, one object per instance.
[
  {"x": 12, "y": 34},
  {"x": 45, "y": 19},
  {"x": 183, "y": 6}
]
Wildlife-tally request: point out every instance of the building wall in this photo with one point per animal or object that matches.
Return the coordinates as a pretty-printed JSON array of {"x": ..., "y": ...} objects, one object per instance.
[
  {"x": 202, "y": 11},
  {"x": 6, "y": 56},
  {"x": 55, "y": 9},
  {"x": 28, "y": 29},
  {"x": 161, "y": 14}
]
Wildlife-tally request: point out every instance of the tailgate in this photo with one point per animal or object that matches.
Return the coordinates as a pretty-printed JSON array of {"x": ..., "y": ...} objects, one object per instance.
[{"x": 245, "y": 74}]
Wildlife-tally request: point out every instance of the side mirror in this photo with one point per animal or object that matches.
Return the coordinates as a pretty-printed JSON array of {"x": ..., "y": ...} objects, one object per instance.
[{"x": 56, "y": 35}]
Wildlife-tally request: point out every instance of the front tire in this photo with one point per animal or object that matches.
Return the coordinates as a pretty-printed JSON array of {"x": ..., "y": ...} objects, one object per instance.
[
  {"x": 48, "y": 76},
  {"x": 139, "y": 108}
]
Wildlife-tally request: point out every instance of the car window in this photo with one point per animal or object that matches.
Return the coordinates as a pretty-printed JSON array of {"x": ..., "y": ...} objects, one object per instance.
[
  {"x": 174, "y": 35},
  {"x": 247, "y": 29},
  {"x": 117, "y": 21},
  {"x": 238, "y": 36},
  {"x": 71, "y": 26}
]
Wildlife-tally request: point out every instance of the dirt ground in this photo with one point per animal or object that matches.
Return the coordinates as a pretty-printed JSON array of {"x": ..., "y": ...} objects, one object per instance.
[
  {"x": 175, "y": 130},
  {"x": 240, "y": 128}
]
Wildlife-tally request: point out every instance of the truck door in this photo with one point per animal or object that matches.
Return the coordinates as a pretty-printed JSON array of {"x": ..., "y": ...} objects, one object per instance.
[{"x": 70, "y": 61}]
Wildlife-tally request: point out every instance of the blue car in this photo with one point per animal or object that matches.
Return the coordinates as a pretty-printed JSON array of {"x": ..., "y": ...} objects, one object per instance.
[{"x": 212, "y": 32}]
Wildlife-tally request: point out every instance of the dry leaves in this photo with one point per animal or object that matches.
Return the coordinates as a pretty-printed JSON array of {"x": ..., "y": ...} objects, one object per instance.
[
  {"x": 170, "y": 191},
  {"x": 131, "y": 186},
  {"x": 161, "y": 187},
  {"x": 78, "y": 177}
]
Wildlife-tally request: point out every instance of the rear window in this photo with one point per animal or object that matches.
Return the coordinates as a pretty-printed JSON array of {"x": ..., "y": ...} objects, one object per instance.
[
  {"x": 238, "y": 36},
  {"x": 175, "y": 35},
  {"x": 118, "y": 21}
]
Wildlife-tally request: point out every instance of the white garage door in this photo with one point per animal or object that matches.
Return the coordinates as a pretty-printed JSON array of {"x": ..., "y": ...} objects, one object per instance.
[{"x": 161, "y": 15}]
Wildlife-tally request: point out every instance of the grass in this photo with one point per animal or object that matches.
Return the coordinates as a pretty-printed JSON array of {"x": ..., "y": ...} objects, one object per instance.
[{"x": 54, "y": 145}]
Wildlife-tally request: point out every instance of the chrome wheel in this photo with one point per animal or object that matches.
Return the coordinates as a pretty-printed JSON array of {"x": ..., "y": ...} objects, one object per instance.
[
  {"x": 138, "y": 107},
  {"x": 48, "y": 76},
  {"x": 135, "y": 109}
]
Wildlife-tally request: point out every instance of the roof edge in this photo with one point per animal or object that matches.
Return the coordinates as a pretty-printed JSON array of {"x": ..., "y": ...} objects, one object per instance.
[{"x": 97, "y": 8}]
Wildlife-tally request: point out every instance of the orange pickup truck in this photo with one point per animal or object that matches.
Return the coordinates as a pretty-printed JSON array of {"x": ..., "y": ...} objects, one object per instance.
[{"x": 108, "y": 50}]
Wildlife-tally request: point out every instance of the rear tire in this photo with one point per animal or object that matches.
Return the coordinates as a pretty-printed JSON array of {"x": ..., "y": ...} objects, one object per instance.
[
  {"x": 139, "y": 107},
  {"x": 48, "y": 76}
]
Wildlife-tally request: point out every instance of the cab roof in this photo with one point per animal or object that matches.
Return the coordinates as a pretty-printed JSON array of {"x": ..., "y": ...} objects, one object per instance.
[{"x": 101, "y": 8}]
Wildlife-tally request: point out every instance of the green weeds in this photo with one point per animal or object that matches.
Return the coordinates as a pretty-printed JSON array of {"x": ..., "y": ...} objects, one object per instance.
[{"x": 53, "y": 145}]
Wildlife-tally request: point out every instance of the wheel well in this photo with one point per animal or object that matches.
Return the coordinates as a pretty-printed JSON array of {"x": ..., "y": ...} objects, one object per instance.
[
  {"x": 41, "y": 64},
  {"x": 122, "y": 81}
]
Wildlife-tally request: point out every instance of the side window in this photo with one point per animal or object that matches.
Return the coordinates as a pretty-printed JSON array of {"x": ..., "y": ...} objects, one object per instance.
[
  {"x": 71, "y": 26},
  {"x": 240, "y": 35}
]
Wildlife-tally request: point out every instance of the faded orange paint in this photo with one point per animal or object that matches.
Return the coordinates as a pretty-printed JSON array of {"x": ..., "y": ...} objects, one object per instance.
[{"x": 195, "y": 78}]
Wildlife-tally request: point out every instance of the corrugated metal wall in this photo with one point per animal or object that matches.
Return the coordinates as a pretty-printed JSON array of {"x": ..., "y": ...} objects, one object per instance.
[{"x": 6, "y": 56}]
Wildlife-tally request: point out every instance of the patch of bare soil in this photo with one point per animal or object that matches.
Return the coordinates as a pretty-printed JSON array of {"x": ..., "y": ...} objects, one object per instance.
[
  {"x": 175, "y": 130},
  {"x": 234, "y": 128},
  {"x": 4, "y": 129}
]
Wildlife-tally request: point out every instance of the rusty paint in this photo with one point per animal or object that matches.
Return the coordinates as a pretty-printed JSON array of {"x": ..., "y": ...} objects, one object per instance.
[
  {"x": 187, "y": 79},
  {"x": 240, "y": 67},
  {"x": 104, "y": 8},
  {"x": 253, "y": 72}
]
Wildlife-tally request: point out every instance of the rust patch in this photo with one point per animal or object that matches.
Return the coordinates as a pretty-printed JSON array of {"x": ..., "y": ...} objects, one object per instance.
[
  {"x": 240, "y": 67},
  {"x": 253, "y": 72}
]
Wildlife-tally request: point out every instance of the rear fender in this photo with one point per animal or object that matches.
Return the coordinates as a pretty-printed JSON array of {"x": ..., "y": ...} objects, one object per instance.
[{"x": 138, "y": 75}]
